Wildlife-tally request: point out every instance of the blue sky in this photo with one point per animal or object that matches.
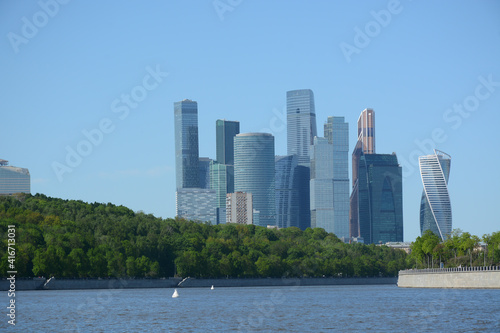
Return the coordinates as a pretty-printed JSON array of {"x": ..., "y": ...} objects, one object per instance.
[{"x": 430, "y": 70}]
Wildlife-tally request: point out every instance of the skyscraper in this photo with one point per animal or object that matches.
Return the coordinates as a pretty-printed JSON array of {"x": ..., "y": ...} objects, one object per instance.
[
  {"x": 287, "y": 193},
  {"x": 14, "y": 179},
  {"x": 337, "y": 133},
  {"x": 225, "y": 131},
  {"x": 435, "y": 205},
  {"x": 194, "y": 199},
  {"x": 364, "y": 145},
  {"x": 218, "y": 182},
  {"x": 301, "y": 123},
  {"x": 322, "y": 185},
  {"x": 204, "y": 171},
  {"x": 186, "y": 144},
  {"x": 254, "y": 172},
  {"x": 380, "y": 198},
  {"x": 222, "y": 171}
]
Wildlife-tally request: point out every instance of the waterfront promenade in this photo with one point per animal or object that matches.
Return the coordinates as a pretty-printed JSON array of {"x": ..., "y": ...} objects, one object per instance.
[{"x": 484, "y": 277}]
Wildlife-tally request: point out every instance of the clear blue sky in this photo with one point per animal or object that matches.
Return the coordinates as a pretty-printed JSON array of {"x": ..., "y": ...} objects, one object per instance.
[{"x": 237, "y": 61}]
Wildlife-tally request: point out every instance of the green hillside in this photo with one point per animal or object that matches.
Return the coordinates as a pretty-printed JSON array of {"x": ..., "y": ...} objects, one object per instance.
[{"x": 68, "y": 238}]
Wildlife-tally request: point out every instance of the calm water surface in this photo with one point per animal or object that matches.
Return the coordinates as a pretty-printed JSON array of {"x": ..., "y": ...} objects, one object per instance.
[{"x": 383, "y": 308}]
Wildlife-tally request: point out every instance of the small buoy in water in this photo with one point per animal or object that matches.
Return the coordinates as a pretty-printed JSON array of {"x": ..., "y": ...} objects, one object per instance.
[
  {"x": 212, "y": 287},
  {"x": 175, "y": 294}
]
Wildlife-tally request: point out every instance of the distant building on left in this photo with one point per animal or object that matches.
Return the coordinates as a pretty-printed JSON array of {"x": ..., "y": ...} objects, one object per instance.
[
  {"x": 194, "y": 198},
  {"x": 13, "y": 179}
]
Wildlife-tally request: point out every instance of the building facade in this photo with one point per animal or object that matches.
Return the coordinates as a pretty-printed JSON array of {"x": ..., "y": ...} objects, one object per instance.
[
  {"x": 196, "y": 204},
  {"x": 380, "y": 198},
  {"x": 204, "y": 171},
  {"x": 219, "y": 182},
  {"x": 186, "y": 144},
  {"x": 435, "y": 205},
  {"x": 254, "y": 172},
  {"x": 225, "y": 131},
  {"x": 14, "y": 179},
  {"x": 336, "y": 131},
  {"x": 322, "y": 211},
  {"x": 364, "y": 145},
  {"x": 301, "y": 123},
  {"x": 239, "y": 208},
  {"x": 292, "y": 193},
  {"x": 222, "y": 170}
]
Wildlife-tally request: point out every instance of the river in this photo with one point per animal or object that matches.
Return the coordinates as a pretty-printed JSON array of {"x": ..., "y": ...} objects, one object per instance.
[{"x": 365, "y": 308}]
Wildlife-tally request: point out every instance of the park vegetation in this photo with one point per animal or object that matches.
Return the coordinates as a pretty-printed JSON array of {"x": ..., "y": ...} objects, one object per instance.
[
  {"x": 69, "y": 238},
  {"x": 460, "y": 249}
]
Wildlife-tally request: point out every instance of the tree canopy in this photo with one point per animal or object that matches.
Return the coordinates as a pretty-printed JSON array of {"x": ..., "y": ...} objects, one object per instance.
[
  {"x": 459, "y": 249},
  {"x": 70, "y": 238}
]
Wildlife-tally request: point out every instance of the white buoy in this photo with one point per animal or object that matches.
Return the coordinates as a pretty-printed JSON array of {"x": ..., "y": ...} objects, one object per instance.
[
  {"x": 212, "y": 287},
  {"x": 175, "y": 294}
]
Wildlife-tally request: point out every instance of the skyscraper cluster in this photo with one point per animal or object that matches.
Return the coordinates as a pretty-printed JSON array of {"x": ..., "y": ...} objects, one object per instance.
[{"x": 308, "y": 187}]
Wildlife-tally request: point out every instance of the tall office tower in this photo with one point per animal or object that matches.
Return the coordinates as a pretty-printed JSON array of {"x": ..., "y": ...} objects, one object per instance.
[
  {"x": 222, "y": 171},
  {"x": 364, "y": 145},
  {"x": 186, "y": 144},
  {"x": 218, "y": 182},
  {"x": 254, "y": 172},
  {"x": 204, "y": 171},
  {"x": 301, "y": 181},
  {"x": 380, "y": 198},
  {"x": 14, "y": 179},
  {"x": 225, "y": 131},
  {"x": 322, "y": 211},
  {"x": 435, "y": 206},
  {"x": 239, "y": 208},
  {"x": 287, "y": 193},
  {"x": 197, "y": 204},
  {"x": 301, "y": 123},
  {"x": 337, "y": 134}
]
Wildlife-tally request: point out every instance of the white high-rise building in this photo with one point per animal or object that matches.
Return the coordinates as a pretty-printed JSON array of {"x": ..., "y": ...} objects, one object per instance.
[
  {"x": 435, "y": 205},
  {"x": 239, "y": 208},
  {"x": 301, "y": 123}
]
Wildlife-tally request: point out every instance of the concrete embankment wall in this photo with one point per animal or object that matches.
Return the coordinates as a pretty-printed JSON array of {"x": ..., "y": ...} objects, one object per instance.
[
  {"x": 67, "y": 284},
  {"x": 442, "y": 278}
]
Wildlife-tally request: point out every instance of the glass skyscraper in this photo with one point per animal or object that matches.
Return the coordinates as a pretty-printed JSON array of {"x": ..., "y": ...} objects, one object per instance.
[
  {"x": 337, "y": 133},
  {"x": 225, "y": 131},
  {"x": 301, "y": 123},
  {"x": 186, "y": 144},
  {"x": 219, "y": 181},
  {"x": 292, "y": 193},
  {"x": 254, "y": 172},
  {"x": 322, "y": 211},
  {"x": 222, "y": 171},
  {"x": 380, "y": 198},
  {"x": 14, "y": 179},
  {"x": 204, "y": 171},
  {"x": 435, "y": 205},
  {"x": 364, "y": 145}
]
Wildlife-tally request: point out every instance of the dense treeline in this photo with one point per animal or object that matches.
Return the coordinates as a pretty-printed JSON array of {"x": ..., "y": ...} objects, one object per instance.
[
  {"x": 459, "y": 249},
  {"x": 69, "y": 238}
]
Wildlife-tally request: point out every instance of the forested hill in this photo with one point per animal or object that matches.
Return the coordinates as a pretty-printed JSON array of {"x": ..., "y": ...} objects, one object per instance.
[{"x": 68, "y": 238}]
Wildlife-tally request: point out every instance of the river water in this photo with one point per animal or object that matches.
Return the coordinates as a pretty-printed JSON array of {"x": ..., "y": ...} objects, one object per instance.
[{"x": 374, "y": 308}]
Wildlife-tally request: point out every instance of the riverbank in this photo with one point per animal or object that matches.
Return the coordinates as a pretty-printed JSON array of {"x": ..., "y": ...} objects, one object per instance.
[
  {"x": 71, "y": 284},
  {"x": 466, "y": 278}
]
